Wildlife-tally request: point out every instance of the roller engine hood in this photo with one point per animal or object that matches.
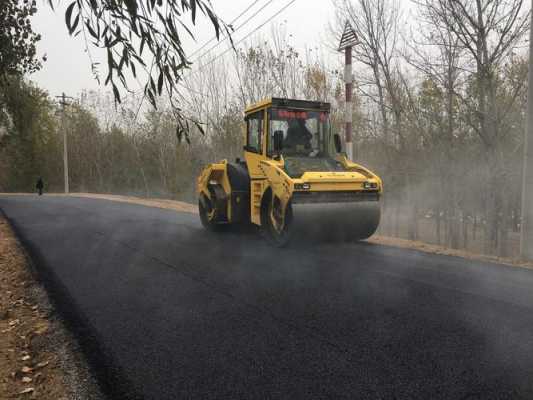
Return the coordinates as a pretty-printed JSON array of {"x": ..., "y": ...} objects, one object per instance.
[{"x": 320, "y": 169}]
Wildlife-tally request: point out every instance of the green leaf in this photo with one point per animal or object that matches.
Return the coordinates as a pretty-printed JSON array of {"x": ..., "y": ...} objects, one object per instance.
[
  {"x": 199, "y": 126},
  {"x": 116, "y": 93},
  {"x": 110, "y": 64},
  {"x": 151, "y": 98},
  {"x": 187, "y": 29},
  {"x": 168, "y": 75},
  {"x": 152, "y": 85},
  {"x": 193, "y": 10},
  {"x": 131, "y": 5},
  {"x": 214, "y": 21},
  {"x": 75, "y": 24},
  {"x": 68, "y": 16},
  {"x": 91, "y": 30},
  {"x": 160, "y": 83},
  {"x": 143, "y": 41}
]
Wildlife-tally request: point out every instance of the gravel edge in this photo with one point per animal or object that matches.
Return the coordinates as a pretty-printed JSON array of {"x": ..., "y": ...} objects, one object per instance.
[{"x": 79, "y": 380}]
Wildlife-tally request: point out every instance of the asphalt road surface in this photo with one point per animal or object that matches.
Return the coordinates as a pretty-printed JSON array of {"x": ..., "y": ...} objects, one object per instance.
[{"x": 165, "y": 310}]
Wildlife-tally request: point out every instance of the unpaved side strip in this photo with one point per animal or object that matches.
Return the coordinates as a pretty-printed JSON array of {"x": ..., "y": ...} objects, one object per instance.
[
  {"x": 38, "y": 356},
  {"x": 435, "y": 249},
  {"x": 159, "y": 203}
]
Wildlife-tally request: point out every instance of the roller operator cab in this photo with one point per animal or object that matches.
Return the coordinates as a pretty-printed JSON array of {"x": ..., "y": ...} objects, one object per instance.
[{"x": 294, "y": 179}]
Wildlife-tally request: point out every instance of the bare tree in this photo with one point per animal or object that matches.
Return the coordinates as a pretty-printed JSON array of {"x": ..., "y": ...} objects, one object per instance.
[
  {"x": 435, "y": 52},
  {"x": 376, "y": 24},
  {"x": 488, "y": 31}
]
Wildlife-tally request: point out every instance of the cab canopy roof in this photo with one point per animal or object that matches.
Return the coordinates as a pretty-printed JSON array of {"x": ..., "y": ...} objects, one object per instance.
[{"x": 288, "y": 103}]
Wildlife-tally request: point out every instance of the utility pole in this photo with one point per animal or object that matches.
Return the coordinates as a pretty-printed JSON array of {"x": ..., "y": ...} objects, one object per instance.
[
  {"x": 526, "y": 234},
  {"x": 348, "y": 40},
  {"x": 63, "y": 103}
]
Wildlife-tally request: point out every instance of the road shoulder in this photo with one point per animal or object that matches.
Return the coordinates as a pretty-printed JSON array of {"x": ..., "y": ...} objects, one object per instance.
[{"x": 39, "y": 356}]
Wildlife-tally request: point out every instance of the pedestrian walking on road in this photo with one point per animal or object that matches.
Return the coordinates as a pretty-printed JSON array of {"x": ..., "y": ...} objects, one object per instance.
[{"x": 40, "y": 186}]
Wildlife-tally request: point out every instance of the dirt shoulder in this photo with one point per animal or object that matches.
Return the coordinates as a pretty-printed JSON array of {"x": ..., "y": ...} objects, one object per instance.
[
  {"x": 38, "y": 356},
  {"x": 159, "y": 203},
  {"x": 435, "y": 249}
]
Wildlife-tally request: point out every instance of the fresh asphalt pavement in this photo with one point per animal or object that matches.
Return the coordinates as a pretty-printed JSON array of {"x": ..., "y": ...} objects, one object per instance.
[{"x": 165, "y": 310}]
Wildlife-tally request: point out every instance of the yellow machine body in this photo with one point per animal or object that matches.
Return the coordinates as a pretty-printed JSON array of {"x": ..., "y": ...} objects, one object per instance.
[{"x": 306, "y": 176}]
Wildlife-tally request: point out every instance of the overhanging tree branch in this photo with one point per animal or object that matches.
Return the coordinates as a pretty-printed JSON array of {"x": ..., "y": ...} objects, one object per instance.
[{"x": 131, "y": 30}]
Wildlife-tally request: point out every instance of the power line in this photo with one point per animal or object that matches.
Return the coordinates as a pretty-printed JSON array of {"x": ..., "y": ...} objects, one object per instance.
[
  {"x": 231, "y": 23},
  {"x": 136, "y": 92},
  {"x": 244, "y": 38},
  {"x": 236, "y": 43},
  {"x": 192, "y": 90},
  {"x": 236, "y": 29}
]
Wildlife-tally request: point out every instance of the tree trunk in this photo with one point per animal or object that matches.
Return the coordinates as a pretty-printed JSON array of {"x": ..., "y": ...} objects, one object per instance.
[
  {"x": 437, "y": 226},
  {"x": 397, "y": 219},
  {"x": 412, "y": 225},
  {"x": 464, "y": 216}
]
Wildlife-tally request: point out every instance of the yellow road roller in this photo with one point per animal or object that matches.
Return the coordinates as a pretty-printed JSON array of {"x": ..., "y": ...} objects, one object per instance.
[{"x": 294, "y": 179}]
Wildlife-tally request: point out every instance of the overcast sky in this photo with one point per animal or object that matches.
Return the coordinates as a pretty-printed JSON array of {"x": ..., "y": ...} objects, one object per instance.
[{"x": 68, "y": 67}]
